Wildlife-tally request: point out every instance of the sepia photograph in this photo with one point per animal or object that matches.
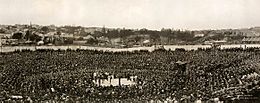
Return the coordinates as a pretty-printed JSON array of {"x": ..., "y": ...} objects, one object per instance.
[{"x": 129, "y": 51}]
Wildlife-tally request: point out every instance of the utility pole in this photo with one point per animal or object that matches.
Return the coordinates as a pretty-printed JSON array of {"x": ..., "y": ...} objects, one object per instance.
[
  {"x": 1, "y": 44},
  {"x": 30, "y": 24}
]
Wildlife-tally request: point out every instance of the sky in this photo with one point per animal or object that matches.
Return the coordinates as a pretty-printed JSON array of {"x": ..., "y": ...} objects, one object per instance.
[{"x": 151, "y": 14}]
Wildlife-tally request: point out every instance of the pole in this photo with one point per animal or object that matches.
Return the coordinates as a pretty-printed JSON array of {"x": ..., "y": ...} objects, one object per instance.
[
  {"x": 119, "y": 81},
  {"x": 1, "y": 44}
]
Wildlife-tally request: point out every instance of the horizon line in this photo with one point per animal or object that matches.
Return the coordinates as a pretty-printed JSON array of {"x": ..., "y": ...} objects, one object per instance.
[{"x": 131, "y": 28}]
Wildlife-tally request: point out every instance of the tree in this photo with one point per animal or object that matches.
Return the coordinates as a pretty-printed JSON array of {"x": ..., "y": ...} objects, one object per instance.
[
  {"x": 113, "y": 33},
  {"x": 166, "y": 32},
  {"x": 155, "y": 37},
  {"x": 97, "y": 34},
  {"x": 138, "y": 38},
  {"x": 17, "y": 35},
  {"x": 125, "y": 33},
  {"x": 38, "y": 38},
  {"x": 92, "y": 41},
  {"x": 58, "y": 33},
  {"x": 143, "y": 31},
  {"x": 2, "y": 30},
  {"x": 68, "y": 41},
  {"x": 27, "y": 35},
  {"x": 217, "y": 37},
  {"x": 184, "y": 35},
  {"x": 35, "y": 37},
  {"x": 45, "y": 29}
]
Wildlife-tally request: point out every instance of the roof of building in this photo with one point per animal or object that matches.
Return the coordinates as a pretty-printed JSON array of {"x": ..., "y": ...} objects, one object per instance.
[{"x": 252, "y": 39}]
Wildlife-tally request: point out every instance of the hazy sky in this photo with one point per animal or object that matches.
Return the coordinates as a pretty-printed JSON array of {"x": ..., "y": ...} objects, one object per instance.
[{"x": 152, "y": 14}]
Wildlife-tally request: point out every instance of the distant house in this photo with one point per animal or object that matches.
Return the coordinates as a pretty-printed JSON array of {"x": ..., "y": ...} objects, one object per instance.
[
  {"x": 88, "y": 37},
  {"x": 1, "y": 41},
  {"x": 146, "y": 41},
  {"x": 215, "y": 42},
  {"x": 39, "y": 34},
  {"x": 4, "y": 35},
  {"x": 79, "y": 42},
  {"x": 40, "y": 43},
  {"x": 103, "y": 39},
  {"x": 199, "y": 35},
  {"x": 219, "y": 41},
  {"x": 91, "y": 30},
  {"x": 49, "y": 37},
  {"x": 58, "y": 41},
  {"x": 51, "y": 33},
  {"x": 116, "y": 41},
  {"x": 249, "y": 33},
  {"x": 64, "y": 35},
  {"x": 211, "y": 34},
  {"x": 251, "y": 40},
  {"x": 9, "y": 41}
]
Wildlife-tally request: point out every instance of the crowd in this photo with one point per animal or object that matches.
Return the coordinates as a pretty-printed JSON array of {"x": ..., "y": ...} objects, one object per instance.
[{"x": 61, "y": 75}]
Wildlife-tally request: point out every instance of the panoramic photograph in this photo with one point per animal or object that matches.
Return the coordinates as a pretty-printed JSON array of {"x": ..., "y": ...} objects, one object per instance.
[{"x": 129, "y": 51}]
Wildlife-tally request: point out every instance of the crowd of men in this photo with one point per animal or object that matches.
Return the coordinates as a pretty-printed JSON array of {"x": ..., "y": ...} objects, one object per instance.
[{"x": 161, "y": 75}]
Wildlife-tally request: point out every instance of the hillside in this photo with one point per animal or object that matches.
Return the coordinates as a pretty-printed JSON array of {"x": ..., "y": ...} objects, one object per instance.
[{"x": 78, "y": 35}]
